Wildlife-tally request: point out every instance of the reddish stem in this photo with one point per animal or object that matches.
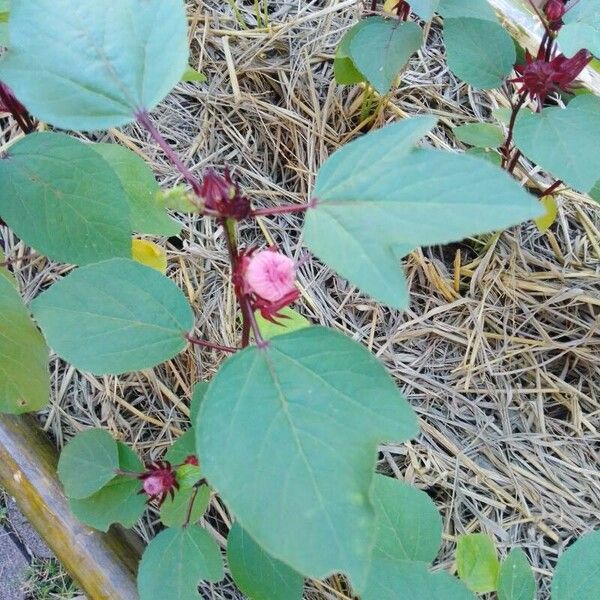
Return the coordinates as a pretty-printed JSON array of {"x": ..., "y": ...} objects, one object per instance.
[
  {"x": 23, "y": 120},
  {"x": 282, "y": 210},
  {"x": 511, "y": 126},
  {"x": 190, "y": 506},
  {"x": 206, "y": 344},
  {"x": 552, "y": 188}
]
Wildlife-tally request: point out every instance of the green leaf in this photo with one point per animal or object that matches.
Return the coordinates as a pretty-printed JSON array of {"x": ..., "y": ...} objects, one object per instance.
[
  {"x": 94, "y": 66},
  {"x": 564, "y": 141},
  {"x": 4, "y": 272},
  {"x": 581, "y": 28},
  {"x": 190, "y": 74},
  {"x": 119, "y": 501},
  {"x": 176, "y": 560},
  {"x": 325, "y": 405},
  {"x": 344, "y": 70},
  {"x": 114, "y": 317},
  {"x": 491, "y": 156},
  {"x": 183, "y": 447},
  {"x": 380, "y": 48},
  {"x": 24, "y": 377},
  {"x": 516, "y": 580},
  {"x": 480, "y": 52},
  {"x": 409, "y": 526},
  {"x": 88, "y": 462},
  {"x": 476, "y": 9},
  {"x": 595, "y": 192},
  {"x": 411, "y": 580},
  {"x": 502, "y": 114},
  {"x": 146, "y": 213},
  {"x": 4, "y": 16},
  {"x": 577, "y": 574},
  {"x": 63, "y": 199},
  {"x": 480, "y": 135},
  {"x": 258, "y": 575},
  {"x": 477, "y": 562},
  {"x": 291, "y": 321},
  {"x": 424, "y": 8},
  {"x": 378, "y": 198},
  {"x": 198, "y": 394},
  {"x": 174, "y": 512},
  {"x": 188, "y": 476},
  {"x": 177, "y": 198}
]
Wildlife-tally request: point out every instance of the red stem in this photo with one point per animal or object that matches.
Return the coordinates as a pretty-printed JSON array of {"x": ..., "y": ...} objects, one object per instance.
[
  {"x": 190, "y": 506},
  {"x": 206, "y": 344},
  {"x": 552, "y": 188},
  {"x": 511, "y": 127},
  {"x": 23, "y": 120},
  {"x": 282, "y": 210}
]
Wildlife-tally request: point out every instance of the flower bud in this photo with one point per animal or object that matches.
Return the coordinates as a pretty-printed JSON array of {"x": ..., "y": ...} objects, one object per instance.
[
  {"x": 554, "y": 10},
  {"x": 191, "y": 460},
  {"x": 221, "y": 194},
  {"x": 270, "y": 275}
]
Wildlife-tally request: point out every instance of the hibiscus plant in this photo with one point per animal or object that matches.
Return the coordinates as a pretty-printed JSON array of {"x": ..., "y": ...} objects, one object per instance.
[{"x": 287, "y": 431}]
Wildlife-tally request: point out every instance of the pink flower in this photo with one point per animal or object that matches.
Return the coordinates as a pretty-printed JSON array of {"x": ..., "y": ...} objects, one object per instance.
[
  {"x": 159, "y": 481},
  {"x": 270, "y": 275}
]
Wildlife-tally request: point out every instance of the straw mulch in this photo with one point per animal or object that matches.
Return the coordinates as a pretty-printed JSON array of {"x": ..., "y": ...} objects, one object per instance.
[{"x": 498, "y": 353}]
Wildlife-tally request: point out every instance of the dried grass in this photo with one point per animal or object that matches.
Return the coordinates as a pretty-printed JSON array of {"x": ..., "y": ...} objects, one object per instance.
[{"x": 498, "y": 352}]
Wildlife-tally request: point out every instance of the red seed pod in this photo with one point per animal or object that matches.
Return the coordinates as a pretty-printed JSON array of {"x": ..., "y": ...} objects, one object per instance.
[
  {"x": 158, "y": 481},
  {"x": 554, "y": 10}
]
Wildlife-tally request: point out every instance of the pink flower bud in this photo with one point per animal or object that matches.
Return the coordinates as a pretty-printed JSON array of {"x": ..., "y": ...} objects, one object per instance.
[
  {"x": 554, "y": 10},
  {"x": 153, "y": 485},
  {"x": 159, "y": 481},
  {"x": 270, "y": 275}
]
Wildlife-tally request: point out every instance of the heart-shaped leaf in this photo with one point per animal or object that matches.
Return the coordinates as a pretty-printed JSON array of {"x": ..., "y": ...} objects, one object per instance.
[
  {"x": 564, "y": 141},
  {"x": 119, "y": 501},
  {"x": 113, "y": 317},
  {"x": 176, "y": 511},
  {"x": 378, "y": 198},
  {"x": 325, "y": 405},
  {"x": 475, "y": 9},
  {"x": 141, "y": 189},
  {"x": 258, "y": 575},
  {"x": 24, "y": 377},
  {"x": 516, "y": 580},
  {"x": 477, "y": 562},
  {"x": 581, "y": 28},
  {"x": 175, "y": 562},
  {"x": 63, "y": 199},
  {"x": 480, "y": 52},
  {"x": 88, "y": 462},
  {"x": 344, "y": 69},
  {"x": 380, "y": 48},
  {"x": 94, "y": 65},
  {"x": 577, "y": 574},
  {"x": 480, "y": 135}
]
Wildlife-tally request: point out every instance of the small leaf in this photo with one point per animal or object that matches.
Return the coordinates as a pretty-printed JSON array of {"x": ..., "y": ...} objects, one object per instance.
[
  {"x": 183, "y": 447},
  {"x": 190, "y": 74},
  {"x": 176, "y": 560},
  {"x": 63, "y": 199},
  {"x": 409, "y": 526},
  {"x": 382, "y": 47},
  {"x": 177, "y": 198},
  {"x": 150, "y": 254},
  {"x": 581, "y": 28},
  {"x": 551, "y": 207},
  {"x": 291, "y": 321},
  {"x": 379, "y": 198},
  {"x": 94, "y": 65},
  {"x": 516, "y": 580},
  {"x": 564, "y": 141},
  {"x": 475, "y": 9},
  {"x": 480, "y": 52},
  {"x": 258, "y": 575},
  {"x": 577, "y": 574},
  {"x": 88, "y": 462},
  {"x": 174, "y": 512},
  {"x": 119, "y": 501},
  {"x": 325, "y": 405},
  {"x": 480, "y": 135},
  {"x": 188, "y": 476},
  {"x": 491, "y": 156},
  {"x": 198, "y": 394},
  {"x": 114, "y": 317},
  {"x": 146, "y": 213},
  {"x": 24, "y": 377},
  {"x": 477, "y": 562},
  {"x": 344, "y": 70}
]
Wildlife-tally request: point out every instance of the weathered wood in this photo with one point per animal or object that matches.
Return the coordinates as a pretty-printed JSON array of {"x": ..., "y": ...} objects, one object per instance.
[{"x": 104, "y": 565}]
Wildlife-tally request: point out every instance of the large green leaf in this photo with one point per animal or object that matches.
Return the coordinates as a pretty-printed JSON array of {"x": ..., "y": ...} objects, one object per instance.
[
  {"x": 88, "y": 462},
  {"x": 476, "y": 9},
  {"x": 344, "y": 69},
  {"x": 176, "y": 511},
  {"x": 175, "y": 562},
  {"x": 409, "y": 526},
  {"x": 119, "y": 501},
  {"x": 113, "y": 317},
  {"x": 94, "y": 65},
  {"x": 146, "y": 213},
  {"x": 313, "y": 405},
  {"x": 4, "y": 272},
  {"x": 564, "y": 141},
  {"x": 378, "y": 198},
  {"x": 477, "y": 562},
  {"x": 380, "y": 48},
  {"x": 258, "y": 575},
  {"x": 63, "y": 199},
  {"x": 480, "y": 52},
  {"x": 480, "y": 135},
  {"x": 424, "y": 8},
  {"x": 24, "y": 377},
  {"x": 183, "y": 447},
  {"x": 581, "y": 28},
  {"x": 411, "y": 580},
  {"x": 516, "y": 580},
  {"x": 198, "y": 394},
  {"x": 577, "y": 574}
]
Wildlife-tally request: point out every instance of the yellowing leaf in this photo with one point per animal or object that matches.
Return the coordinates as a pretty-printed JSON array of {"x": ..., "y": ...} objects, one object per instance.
[
  {"x": 149, "y": 254},
  {"x": 546, "y": 220},
  {"x": 291, "y": 321},
  {"x": 389, "y": 6}
]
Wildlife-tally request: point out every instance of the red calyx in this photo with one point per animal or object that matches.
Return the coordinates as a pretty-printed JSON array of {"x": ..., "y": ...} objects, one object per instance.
[
  {"x": 159, "y": 481},
  {"x": 8, "y": 102},
  {"x": 191, "y": 460},
  {"x": 221, "y": 194}
]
